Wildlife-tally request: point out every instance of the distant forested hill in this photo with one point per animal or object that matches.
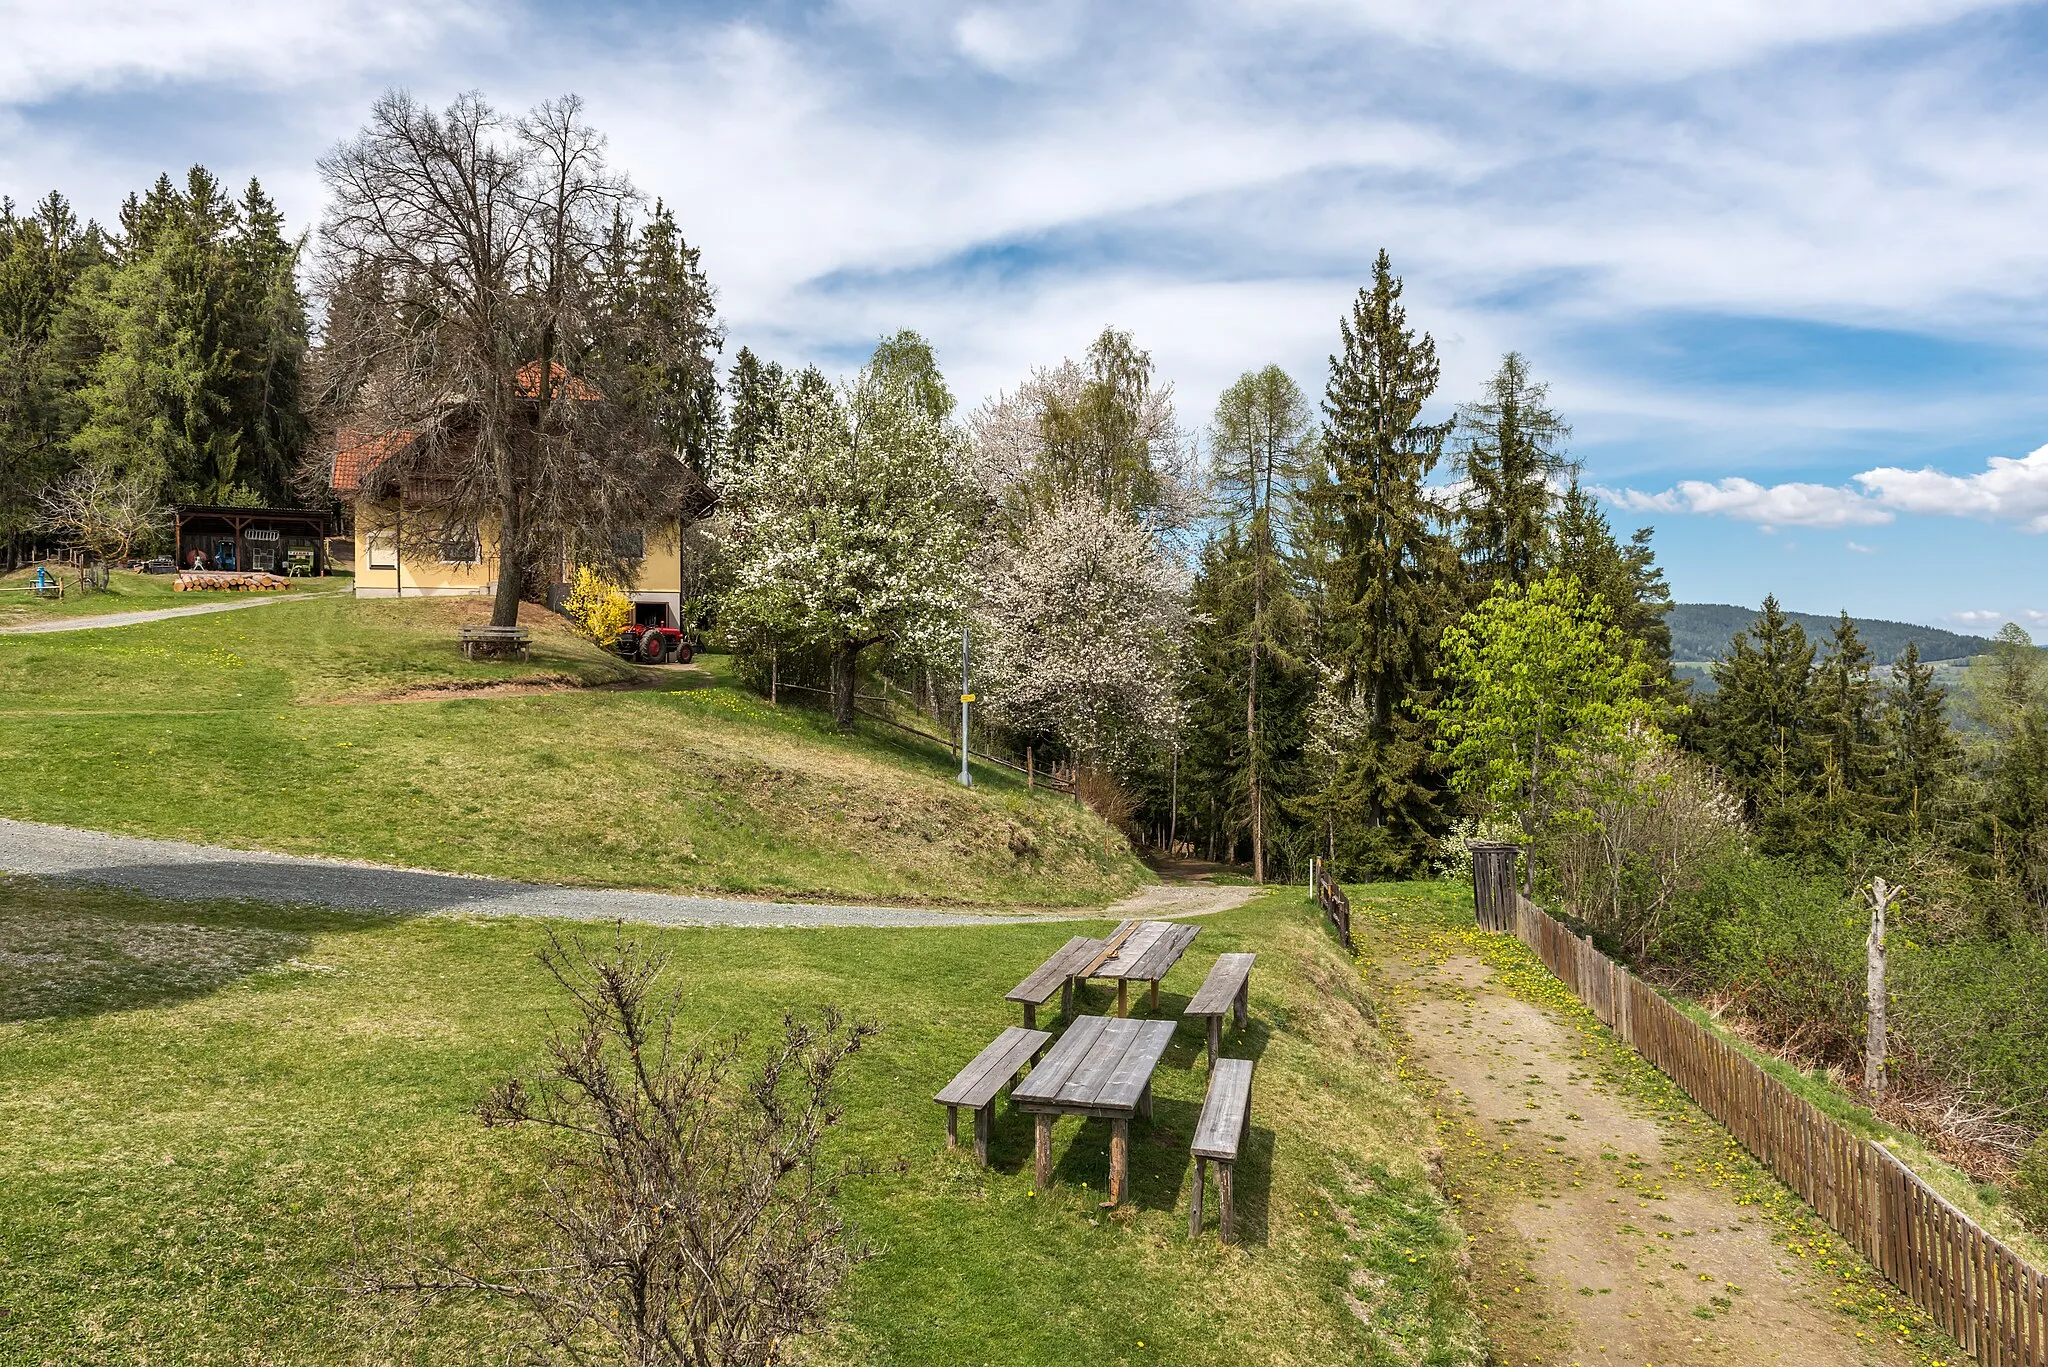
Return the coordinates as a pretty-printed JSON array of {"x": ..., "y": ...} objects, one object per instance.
[{"x": 1701, "y": 631}]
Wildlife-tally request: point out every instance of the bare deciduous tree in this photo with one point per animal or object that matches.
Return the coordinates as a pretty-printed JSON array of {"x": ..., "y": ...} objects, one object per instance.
[
  {"x": 687, "y": 1220},
  {"x": 106, "y": 514},
  {"x": 464, "y": 269}
]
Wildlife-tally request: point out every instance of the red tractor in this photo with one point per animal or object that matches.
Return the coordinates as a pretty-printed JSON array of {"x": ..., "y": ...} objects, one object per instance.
[{"x": 654, "y": 643}]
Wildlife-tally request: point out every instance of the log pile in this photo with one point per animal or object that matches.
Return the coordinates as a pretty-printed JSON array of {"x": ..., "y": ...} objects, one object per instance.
[{"x": 229, "y": 581}]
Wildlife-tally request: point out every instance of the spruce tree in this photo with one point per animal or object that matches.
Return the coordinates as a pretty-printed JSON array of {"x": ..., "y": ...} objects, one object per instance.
[
  {"x": 1397, "y": 570},
  {"x": 1848, "y": 729},
  {"x": 1759, "y": 725},
  {"x": 1510, "y": 451},
  {"x": 1628, "y": 578},
  {"x": 758, "y": 390},
  {"x": 1921, "y": 750}
]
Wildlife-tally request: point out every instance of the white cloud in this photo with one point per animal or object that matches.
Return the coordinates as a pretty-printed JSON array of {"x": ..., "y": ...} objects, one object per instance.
[
  {"x": 1860, "y": 548},
  {"x": 1773, "y": 505},
  {"x": 1013, "y": 40},
  {"x": 1978, "y": 617},
  {"x": 1629, "y": 38},
  {"x": 101, "y": 44},
  {"x": 2008, "y": 490}
]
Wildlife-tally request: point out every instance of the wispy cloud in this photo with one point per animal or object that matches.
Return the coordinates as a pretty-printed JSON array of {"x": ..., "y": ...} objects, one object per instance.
[
  {"x": 1860, "y": 548},
  {"x": 1772, "y": 505},
  {"x": 1978, "y": 617}
]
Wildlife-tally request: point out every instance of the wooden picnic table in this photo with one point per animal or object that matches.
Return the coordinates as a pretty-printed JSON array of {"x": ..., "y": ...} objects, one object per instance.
[
  {"x": 1101, "y": 1068},
  {"x": 1140, "y": 951}
]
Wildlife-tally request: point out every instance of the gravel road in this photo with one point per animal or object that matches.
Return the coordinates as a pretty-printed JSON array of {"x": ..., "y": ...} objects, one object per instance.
[
  {"x": 184, "y": 872},
  {"x": 129, "y": 619}
]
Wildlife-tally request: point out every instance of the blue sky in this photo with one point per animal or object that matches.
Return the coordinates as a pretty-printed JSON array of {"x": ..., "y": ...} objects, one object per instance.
[{"x": 1784, "y": 263}]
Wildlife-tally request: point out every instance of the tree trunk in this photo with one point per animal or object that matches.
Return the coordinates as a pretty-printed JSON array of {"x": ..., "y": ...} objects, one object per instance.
[
  {"x": 1881, "y": 895},
  {"x": 845, "y": 656},
  {"x": 511, "y": 563}
]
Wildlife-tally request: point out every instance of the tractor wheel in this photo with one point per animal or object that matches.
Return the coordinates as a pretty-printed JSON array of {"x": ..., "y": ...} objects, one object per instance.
[
  {"x": 652, "y": 647},
  {"x": 685, "y": 652}
]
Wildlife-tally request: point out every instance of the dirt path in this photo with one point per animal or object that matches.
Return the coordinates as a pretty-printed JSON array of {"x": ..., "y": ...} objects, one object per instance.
[
  {"x": 1606, "y": 1229},
  {"x": 129, "y": 619}
]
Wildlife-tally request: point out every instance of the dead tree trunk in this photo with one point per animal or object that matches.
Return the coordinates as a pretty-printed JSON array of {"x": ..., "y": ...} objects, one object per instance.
[{"x": 1882, "y": 894}]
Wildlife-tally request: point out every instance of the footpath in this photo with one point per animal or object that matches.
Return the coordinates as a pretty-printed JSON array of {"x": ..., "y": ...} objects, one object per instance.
[{"x": 1611, "y": 1222}]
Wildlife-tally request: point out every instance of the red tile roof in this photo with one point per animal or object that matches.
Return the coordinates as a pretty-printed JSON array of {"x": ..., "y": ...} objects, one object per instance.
[
  {"x": 356, "y": 453},
  {"x": 562, "y": 382}
]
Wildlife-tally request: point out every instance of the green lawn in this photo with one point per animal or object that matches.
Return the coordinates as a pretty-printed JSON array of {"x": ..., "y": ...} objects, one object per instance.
[
  {"x": 335, "y": 726},
  {"x": 199, "y": 1104}
]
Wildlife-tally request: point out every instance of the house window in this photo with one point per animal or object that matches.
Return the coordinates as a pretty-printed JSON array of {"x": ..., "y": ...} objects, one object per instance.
[
  {"x": 383, "y": 547},
  {"x": 629, "y": 545},
  {"x": 458, "y": 546}
]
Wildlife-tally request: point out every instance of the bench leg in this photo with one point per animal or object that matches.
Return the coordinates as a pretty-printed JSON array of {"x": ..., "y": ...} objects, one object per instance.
[
  {"x": 1041, "y": 1146},
  {"x": 1145, "y": 1101},
  {"x": 952, "y": 1127},
  {"x": 1067, "y": 997},
  {"x": 981, "y": 1116},
  {"x": 1242, "y": 1006},
  {"x": 1030, "y": 1016},
  {"x": 1155, "y": 994},
  {"x": 1119, "y": 1161},
  {"x": 1215, "y": 1039},
  {"x": 1123, "y": 1005},
  {"x": 1195, "y": 1201},
  {"x": 1226, "y": 1213}
]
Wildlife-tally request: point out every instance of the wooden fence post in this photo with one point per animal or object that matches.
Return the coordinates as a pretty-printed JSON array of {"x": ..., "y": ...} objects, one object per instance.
[{"x": 1493, "y": 884}]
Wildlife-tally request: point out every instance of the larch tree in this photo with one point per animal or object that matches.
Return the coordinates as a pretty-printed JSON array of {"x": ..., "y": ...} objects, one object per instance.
[
  {"x": 1397, "y": 565},
  {"x": 1257, "y": 442},
  {"x": 851, "y": 527},
  {"x": 1509, "y": 456},
  {"x": 464, "y": 264}
]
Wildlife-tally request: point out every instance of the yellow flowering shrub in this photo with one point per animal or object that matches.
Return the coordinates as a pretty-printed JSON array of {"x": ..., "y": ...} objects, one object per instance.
[{"x": 598, "y": 607}]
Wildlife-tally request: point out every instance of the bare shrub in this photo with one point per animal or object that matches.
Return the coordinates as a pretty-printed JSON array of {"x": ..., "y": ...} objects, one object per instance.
[
  {"x": 1653, "y": 829},
  {"x": 685, "y": 1217}
]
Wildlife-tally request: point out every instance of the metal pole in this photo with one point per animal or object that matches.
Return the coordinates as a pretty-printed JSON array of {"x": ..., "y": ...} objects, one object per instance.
[{"x": 966, "y": 779}]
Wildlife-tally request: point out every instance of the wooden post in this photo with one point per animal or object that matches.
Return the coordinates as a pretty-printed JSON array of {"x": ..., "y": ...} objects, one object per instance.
[
  {"x": 952, "y": 1127},
  {"x": 1123, "y": 1007},
  {"x": 1030, "y": 1016},
  {"x": 1226, "y": 1211},
  {"x": 1195, "y": 1201},
  {"x": 1041, "y": 1149},
  {"x": 1145, "y": 1101},
  {"x": 1882, "y": 894},
  {"x": 1241, "y": 1007},
  {"x": 1215, "y": 1039},
  {"x": 1120, "y": 1161},
  {"x": 1493, "y": 884},
  {"x": 1067, "y": 995},
  {"x": 981, "y": 1115},
  {"x": 1030, "y": 771},
  {"x": 774, "y": 675},
  {"x": 1155, "y": 995}
]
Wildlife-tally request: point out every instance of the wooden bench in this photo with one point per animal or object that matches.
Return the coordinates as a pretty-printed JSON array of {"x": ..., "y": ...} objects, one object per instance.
[
  {"x": 1224, "y": 991},
  {"x": 977, "y": 1085},
  {"x": 495, "y": 641},
  {"x": 1226, "y": 1120},
  {"x": 1056, "y": 974}
]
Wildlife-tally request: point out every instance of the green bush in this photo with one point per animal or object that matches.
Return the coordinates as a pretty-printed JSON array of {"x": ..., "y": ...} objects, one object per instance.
[
  {"x": 2030, "y": 1186},
  {"x": 1970, "y": 1011}
]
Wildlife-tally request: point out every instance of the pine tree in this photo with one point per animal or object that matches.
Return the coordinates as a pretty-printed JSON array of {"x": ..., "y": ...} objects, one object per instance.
[
  {"x": 1509, "y": 454},
  {"x": 1397, "y": 569},
  {"x": 1262, "y": 426},
  {"x": 1847, "y": 723},
  {"x": 1759, "y": 725},
  {"x": 1582, "y": 545},
  {"x": 758, "y": 389}
]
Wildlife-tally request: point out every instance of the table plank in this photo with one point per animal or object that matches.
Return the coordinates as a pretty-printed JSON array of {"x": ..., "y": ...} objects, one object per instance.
[
  {"x": 1219, "y": 990},
  {"x": 1126, "y": 1082},
  {"x": 1058, "y": 1065},
  {"x": 1086, "y": 1081},
  {"x": 1165, "y": 953},
  {"x": 1111, "y": 943},
  {"x": 1128, "y": 954}
]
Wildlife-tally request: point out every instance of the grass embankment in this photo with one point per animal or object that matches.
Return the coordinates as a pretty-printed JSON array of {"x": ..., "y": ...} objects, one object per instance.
[
  {"x": 126, "y": 591},
  {"x": 198, "y": 1103},
  {"x": 342, "y": 727},
  {"x": 1492, "y": 1171}
]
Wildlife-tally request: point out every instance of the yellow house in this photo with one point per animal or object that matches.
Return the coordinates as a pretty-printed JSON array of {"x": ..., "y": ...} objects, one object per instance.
[{"x": 391, "y": 564}]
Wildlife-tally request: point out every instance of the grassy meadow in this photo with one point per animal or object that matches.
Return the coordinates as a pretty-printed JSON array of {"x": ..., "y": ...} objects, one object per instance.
[
  {"x": 203, "y": 1107},
  {"x": 354, "y": 728}
]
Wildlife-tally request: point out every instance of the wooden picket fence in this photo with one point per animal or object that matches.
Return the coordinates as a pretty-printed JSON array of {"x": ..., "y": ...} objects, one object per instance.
[
  {"x": 1985, "y": 1295},
  {"x": 1336, "y": 906}
]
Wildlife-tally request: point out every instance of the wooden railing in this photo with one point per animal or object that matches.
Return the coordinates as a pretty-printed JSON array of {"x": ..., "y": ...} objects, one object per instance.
[
  {"x": 1336, "y": 906},
  {"x": 1989, "y": 1298}
]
